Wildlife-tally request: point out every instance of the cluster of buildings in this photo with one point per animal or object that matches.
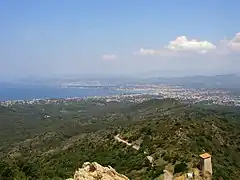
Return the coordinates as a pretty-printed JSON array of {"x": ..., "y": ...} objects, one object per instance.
[
  {"x": 139, "y": 94},
  {"x": 135, "y": 98},
  {"x": 191, "y": 95},
  {"x": 207, "y": 96}
]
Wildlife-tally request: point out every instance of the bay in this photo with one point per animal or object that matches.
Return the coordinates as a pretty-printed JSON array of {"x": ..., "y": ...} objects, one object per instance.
[{"x": 38, "y": 92}]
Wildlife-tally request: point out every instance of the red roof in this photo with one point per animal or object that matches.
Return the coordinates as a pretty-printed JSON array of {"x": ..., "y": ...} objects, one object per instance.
[{"x": 205, "y": 155}]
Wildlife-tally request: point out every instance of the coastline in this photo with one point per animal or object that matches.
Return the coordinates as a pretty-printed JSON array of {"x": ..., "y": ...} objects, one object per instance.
[{"x": 20, "y": 94}]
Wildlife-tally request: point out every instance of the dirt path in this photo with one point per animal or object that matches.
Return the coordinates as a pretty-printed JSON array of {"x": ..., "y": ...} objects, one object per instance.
[
  {"x": 136, "y": 147},
  {"x": 121, "y": 140}
]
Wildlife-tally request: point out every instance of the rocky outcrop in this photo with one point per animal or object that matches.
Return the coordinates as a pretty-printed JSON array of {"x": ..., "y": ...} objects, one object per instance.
[
  {"x": 167, "y": 175},
  {"x": 94, "y": 171}
]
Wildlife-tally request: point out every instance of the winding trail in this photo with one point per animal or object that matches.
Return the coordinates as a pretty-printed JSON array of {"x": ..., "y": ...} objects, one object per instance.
[
  {"x": 136, "y": 147},
  {"x": 121, "y": 140}
]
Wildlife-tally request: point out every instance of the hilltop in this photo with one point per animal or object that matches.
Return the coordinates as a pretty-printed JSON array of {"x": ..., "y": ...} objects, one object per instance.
[{"x": 36, "y": 146}]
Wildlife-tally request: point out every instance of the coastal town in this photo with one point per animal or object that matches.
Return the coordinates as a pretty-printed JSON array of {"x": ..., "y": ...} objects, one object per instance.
[{"x": 141, "y": 93}]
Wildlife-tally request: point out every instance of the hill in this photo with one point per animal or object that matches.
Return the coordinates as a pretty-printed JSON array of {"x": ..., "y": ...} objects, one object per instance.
[
  {"x": 227, "y": 81},
  {"x": 53, "y": 143}
]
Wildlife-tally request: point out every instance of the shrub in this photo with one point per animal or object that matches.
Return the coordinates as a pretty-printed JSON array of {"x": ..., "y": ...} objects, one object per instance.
[{"x": 182, "y": 167}]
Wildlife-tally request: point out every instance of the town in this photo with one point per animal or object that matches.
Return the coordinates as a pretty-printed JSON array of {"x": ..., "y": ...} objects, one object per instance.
[{"x": 140, "y": 93}]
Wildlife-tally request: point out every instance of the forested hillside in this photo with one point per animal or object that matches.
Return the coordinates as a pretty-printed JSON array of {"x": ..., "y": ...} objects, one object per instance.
[{"x": 50, "y": 141}]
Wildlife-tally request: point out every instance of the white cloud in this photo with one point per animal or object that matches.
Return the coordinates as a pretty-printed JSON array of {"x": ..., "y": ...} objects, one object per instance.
[
  {"x": 143, "y": 51},
  {"x": 109, "y": 57},
  {"x": 181, "y": 44},
  {"x": 234, "y": 44},
  {"x": 160, "y": 52}
]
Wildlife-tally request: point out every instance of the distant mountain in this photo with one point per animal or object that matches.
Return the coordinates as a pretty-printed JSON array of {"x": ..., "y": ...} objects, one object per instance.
[{"x": 200, "y": 81}]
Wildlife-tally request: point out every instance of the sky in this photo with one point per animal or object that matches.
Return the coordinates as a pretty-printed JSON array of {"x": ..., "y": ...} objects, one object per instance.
[{"x": 120, "y": 37}]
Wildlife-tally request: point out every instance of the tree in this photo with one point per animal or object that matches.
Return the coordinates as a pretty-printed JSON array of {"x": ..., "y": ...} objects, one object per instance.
[
  {"x": 30, "y": 170},
  {"x": 6, "y": 171}
]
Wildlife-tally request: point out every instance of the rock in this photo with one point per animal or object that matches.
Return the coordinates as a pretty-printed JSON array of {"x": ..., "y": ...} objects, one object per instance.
[
  {"x": 167, "y": 175},
  {"x": 150, "y": 158},
  {"x": 94, "y": 171}
]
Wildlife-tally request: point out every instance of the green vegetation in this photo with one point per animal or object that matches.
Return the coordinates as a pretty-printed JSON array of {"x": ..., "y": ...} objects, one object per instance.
[
  {"x": 50, "y": 141},
  {"x": 182, "y": 167}
]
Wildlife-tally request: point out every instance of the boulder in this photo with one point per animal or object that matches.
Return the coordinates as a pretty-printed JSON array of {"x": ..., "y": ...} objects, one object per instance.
[{"x": 94, "y": 171}]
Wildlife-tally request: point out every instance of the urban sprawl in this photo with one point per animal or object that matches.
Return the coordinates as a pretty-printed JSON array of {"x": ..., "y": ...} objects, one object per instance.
[{"x": 140, "y": 93}]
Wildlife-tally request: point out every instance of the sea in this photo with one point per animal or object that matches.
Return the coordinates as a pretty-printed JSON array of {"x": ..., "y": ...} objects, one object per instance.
[{"x": 46, "y": 92}]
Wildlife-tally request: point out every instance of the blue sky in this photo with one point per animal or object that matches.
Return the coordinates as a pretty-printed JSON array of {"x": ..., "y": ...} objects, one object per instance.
[{"x": 57, "y": 37}]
